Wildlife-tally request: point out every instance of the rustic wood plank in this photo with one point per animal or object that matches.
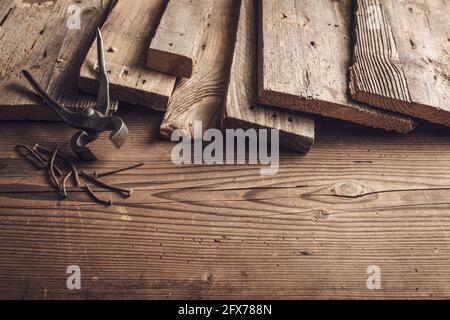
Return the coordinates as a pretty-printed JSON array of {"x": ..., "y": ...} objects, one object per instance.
[
  {"x": 175, "y": 46},
  {"x": 305, "y": 53},
  {"x": 226, "y": 232},
  {"x": 200, "y": 98},
  {"x": 241, "y": 106},
  {"x": 401, "y": 57},
  {"x": 52, "y": 52},
  {"x": 376, "y": 67},
  {"x": 127, "y": 34}
]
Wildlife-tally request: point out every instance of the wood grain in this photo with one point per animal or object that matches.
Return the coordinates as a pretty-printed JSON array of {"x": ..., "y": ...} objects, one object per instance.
[
  {"x": 49, "y": 50},
  {"x": 359, "y": 198},
  {"x": 241, "y": 107},
  {"x": 175, "y": 46},
  {"x": 305, "y": 54},
  {"x": 376, "y": 66},
  {"x": 127, "y": 34},
  {"x": 200, "y": 98},
  {"x": 401, "y": 57}
]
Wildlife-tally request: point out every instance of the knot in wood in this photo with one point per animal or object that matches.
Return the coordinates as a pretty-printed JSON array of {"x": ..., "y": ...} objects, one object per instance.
[
  {"x": 349, "y": 189},
  {"x": 319, "y": 214}
]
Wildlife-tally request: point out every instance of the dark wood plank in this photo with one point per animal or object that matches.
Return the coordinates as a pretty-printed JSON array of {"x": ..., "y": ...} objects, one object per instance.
[{"x": 359, "y": 198}]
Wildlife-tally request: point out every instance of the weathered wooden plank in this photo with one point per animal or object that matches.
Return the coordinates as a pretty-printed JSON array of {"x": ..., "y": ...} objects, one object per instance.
[
  {"x": 127, "y": 34},
  {"x": 200, "y": 98},
  {"x": 401, "y": 57},
  {"x": 305, "y": 54},
  {"x": 50, "y": 50},
  {"x": 376, "y": 67},
  {"x": 175, "y": 46},
  {"x": 222, "y": 232},
  {"x": 241, "y": 106}
]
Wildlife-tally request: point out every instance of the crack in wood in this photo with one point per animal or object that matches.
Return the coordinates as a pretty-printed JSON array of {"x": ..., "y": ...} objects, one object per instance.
[
  {"x": 3, "y": 20},
  {"x": 381, "y": 192}
]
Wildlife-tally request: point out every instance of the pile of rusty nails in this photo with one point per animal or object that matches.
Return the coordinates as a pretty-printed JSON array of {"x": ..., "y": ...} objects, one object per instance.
[{"x": 46, "y": 159}]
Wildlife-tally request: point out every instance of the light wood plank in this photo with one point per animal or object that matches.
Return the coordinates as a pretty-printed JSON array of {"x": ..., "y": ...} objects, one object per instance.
[
  {"x": 401, "y": 57},
  {"x": 225, "y": 232},
  {"x": 200, "y": 98},
  {"x": 175, "y": 46},
  {"x": 127, "y": 34},
  {"x": 50, "y": 51},
  {"x": 241, "y": 107},
  {"x": 305, "y": 54}
]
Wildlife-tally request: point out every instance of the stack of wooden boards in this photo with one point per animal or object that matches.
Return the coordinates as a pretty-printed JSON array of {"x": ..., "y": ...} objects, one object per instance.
[{"x": 242, "y": 63}]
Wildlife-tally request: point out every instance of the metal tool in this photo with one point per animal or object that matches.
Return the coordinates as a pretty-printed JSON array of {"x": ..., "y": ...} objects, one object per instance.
[{"x": 91, "y": 121}]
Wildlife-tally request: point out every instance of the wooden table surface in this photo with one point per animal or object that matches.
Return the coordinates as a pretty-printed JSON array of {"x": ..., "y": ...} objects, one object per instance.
[{"x": 361, "y": 197}]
